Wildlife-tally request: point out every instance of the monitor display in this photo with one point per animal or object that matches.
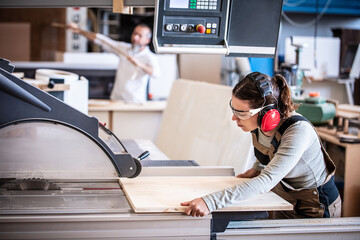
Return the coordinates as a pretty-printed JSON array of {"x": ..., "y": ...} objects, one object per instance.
[{"x": 179, "y": 3}]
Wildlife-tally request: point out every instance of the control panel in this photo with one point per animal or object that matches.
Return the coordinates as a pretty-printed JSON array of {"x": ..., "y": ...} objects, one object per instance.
[
  {"x": 191, "y": 27},
  {"x": 191, "y": 22},
  {"x": 231, "y": 27}
]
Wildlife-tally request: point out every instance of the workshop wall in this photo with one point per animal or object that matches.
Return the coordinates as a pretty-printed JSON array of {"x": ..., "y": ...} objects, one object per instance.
[
  {"x": 329, "y": 88},
  {"x": 208, "y": 67},
  {"x": 45, "y": 40},
  {"x": 326, "y": 23}
]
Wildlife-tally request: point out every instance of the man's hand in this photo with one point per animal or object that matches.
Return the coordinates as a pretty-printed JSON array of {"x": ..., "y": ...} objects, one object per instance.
[
  {"x": 133, "y": 60},
  {"x": 73, "y": 27},
  {"x": 249, "y": 173},
  {"x": 196, "y": 207},
  {"x": 146, "y": 68}
]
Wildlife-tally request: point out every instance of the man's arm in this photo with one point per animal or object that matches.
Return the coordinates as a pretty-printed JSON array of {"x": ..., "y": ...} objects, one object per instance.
[
  {"x": 75, "y": 28},
  {"x": 146, "y": 68},
  {"x": 92, "y": 37}
]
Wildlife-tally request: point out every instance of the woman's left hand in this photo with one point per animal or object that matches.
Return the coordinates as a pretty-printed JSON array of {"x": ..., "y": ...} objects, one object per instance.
[{"x": 196, "y": 207}]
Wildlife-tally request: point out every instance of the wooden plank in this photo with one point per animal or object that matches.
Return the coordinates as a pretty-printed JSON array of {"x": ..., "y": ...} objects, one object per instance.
[
  {"x": 351, "y": 207},
  {"x": 351, "y": 196},
  {"x": 164, "y": 194}
]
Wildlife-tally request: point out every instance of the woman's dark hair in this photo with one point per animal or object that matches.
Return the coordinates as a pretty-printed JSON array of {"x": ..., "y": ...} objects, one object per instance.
[{"x": 246, "y": 89}]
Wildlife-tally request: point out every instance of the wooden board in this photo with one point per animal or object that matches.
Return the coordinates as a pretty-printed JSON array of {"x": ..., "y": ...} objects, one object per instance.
[
  {"x": 196, "y": 125},
  {"x": 164, "y": 194}
]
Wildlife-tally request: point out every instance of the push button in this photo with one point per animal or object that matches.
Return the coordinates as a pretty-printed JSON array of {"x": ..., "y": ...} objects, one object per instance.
[
  {"x": 168, "y": 27},
  {"x": 190, "y": 28},
  {"x": 200, "y": 28},
  {"x": 176, "y": 27},
  {"x": 183, "y": 27}
]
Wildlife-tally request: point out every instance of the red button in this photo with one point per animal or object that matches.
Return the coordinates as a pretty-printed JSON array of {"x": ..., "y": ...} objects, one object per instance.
[{"x": 200, "y": 28}]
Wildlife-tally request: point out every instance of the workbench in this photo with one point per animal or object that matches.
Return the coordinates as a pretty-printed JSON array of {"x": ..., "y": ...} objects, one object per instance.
[
  {"x": 129, "y": 120},
  {"x": 348, "y": 165}
]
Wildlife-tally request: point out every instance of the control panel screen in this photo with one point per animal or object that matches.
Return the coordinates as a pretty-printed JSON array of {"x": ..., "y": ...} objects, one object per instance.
[
  {"x": 193, "y": 4},
  {"x": 179, "y": 4}
]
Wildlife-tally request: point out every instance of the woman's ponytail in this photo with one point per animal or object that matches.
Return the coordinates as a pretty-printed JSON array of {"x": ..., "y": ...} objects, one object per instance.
[{"x": 284, "y": 101}]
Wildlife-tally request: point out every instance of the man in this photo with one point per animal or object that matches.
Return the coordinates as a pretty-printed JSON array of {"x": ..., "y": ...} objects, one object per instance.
[{"x": 136, "y": 62}]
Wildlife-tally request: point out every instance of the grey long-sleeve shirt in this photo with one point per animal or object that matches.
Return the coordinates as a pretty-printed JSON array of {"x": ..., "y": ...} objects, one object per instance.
[{"x": 298, "y": 161}]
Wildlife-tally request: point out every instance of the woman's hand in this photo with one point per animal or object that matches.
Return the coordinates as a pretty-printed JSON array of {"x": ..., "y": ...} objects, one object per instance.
[
  {"x": 196, "y": 207},
  {"x": 249, "y": 173}
]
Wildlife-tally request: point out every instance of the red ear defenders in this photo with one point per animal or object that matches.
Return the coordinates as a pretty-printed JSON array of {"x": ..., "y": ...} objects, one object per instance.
[{"x": 269, "y": 116}]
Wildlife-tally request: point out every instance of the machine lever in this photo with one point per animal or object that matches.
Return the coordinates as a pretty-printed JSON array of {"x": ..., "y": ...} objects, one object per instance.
[{"x": 143, "y": 155}]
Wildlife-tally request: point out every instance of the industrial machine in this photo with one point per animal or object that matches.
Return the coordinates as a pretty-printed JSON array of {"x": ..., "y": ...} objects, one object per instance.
[
  {"x": 60, "y": 170},
  {"x": 316, "y": 109},
  {"x": 59, "y": 174},
  {"x": 231, "y": 27}
]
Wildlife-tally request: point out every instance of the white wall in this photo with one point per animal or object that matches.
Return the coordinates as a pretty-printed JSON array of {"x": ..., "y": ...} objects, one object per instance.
[
  {"x": 208, "y": 67},
  {"x": 328, "y": 89},
  {"x": 326, "y": 23}
]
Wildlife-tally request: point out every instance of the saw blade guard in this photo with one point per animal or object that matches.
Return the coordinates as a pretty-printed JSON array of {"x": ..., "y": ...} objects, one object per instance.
[{"x": 42, "y": 137}]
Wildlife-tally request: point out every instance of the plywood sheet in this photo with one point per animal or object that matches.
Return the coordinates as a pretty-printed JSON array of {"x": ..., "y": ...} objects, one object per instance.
[
  {"x": 196, "y": 125},
  {"x": 164, "y": 194}
]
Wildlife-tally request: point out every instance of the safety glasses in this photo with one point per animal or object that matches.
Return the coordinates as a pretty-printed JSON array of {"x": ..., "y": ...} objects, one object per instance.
[{"x": 244, "y": 115}]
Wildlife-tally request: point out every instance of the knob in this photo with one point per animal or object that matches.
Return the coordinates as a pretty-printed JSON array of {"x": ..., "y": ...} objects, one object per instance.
[
  {"x": 183, "y": 27},
  {"x": 51, "y": 84},
  {"x": 176, "y": 27},
  {"x": 190, "y": 28},
  {"x": 200, "y": 28},
  {"x": 168, "y": 27}
]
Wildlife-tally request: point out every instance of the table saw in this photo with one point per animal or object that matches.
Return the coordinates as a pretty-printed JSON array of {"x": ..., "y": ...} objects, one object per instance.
[
  {"x": 59, "y": 173},
  {"x": 60, "y": 170}
]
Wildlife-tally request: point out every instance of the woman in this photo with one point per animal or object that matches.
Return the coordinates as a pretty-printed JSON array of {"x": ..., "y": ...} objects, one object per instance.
[{"x": 290, "y": 159}]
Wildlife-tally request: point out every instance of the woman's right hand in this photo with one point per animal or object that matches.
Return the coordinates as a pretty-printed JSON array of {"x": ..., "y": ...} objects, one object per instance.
[{"x": 249, "y": 173}]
